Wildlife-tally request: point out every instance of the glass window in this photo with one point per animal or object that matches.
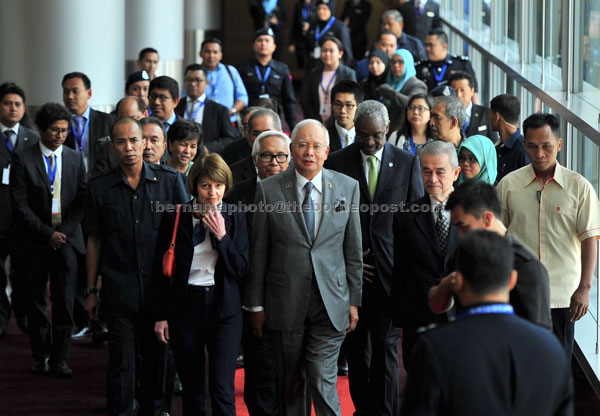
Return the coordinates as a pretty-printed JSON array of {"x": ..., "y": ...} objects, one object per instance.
[
  {"x": 549, "y": 41},
  {"x": 513, "y": 19},
  {"x": 591, "y": 43},
  {"x": 486, "y": 11}
]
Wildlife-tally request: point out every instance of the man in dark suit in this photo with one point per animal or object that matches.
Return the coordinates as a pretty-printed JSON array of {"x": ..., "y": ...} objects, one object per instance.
[
  {"x": 488, "y": 361},
  {"x": 306, "y": 267},
  {"x": 15, "y": 137},
  {"x": 392, "y": 20},
  {"x": 242, "y": 148},
  {"x": 90, "y": 129},
  {"x": 388, "y": 177},
  {"x": 48, "y": 186},
  {"x": 478, "y": 116},
  {"x": 260, "y": 121},
  {"x": 476, "y": 205},
  {"x": 424, "y": 241},
  {"x": 212, "y": 116},
  {"x": 345, "y": 97},
  {"x": 427, "y": 16}
]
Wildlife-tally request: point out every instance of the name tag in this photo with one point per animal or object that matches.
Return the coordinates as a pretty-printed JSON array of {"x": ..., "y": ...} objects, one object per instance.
[
  {"x": 317, "y": 52},
  {"x": 55, "y": 206},
  {"x": 482, "y": 128},
  {"x": 104, "y": 140},
  {"x": 324, "y": 109},
  {"x": 6, "y": 175}
]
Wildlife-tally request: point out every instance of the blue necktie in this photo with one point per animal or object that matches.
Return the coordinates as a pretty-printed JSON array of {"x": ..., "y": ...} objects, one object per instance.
[
  {"x": 199, "y": 234},
  {"x": 79, "y": 123},
  {"x": 309, "y": 210}
]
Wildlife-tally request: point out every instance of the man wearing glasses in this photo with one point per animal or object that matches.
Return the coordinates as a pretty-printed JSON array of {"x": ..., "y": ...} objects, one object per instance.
[
  {"x": 163, "y": 96},
  {"x": 345, "y": 96},
  {"x": 212, "y": 116}
]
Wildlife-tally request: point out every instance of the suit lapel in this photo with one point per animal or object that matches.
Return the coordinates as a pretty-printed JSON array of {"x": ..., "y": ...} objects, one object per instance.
[
  {"x": 22, "y": 138},
  {"x": 288, "y": 187},
  {"x": 4, "y": 153},
  {"x": 328, "y": 193},
  {"x": 355, "y": 163},
  {"x": 426, "y": 224},
  {"x": 39, "y": 163},
  {"x": 385, "y": 171}
]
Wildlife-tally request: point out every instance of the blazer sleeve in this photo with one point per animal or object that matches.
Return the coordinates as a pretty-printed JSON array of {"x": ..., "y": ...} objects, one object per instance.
[
  {"x": 288, "y": 99},
  {"x": 161, "y": 285},
  {"x": 20, "y": 199},
  {"x": 259, "y": 254},
  {"x": 416, "y": 189},
  {"x": 353, "y": 250},
  {"x": 226, "y": 133},
  {"x": 76, "y": 210},
  {"x": 233, "y": 248},
  {"x": 397, "y": 285},
  {"x": 310, "y": 96}
]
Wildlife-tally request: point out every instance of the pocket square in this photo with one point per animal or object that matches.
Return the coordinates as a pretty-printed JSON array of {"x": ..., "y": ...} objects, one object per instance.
[{"x": 339, "y": 205}]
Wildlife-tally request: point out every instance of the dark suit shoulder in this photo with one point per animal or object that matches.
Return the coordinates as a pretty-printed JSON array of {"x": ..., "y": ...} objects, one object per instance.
[
  {"x": 169, "y": 171},
  {"x": 102, "y": 177},
  {"x": 100, "y": 115},
  {"x": 211, "y": 103}
]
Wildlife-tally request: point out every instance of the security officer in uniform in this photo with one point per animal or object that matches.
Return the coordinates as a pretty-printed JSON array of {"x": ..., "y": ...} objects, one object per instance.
[
  {"x": 437, "y": 69},
  {"x": 266, "y": 77},
  {"x": 124, "y": 208},
  {"x": 326, "y": 25}
]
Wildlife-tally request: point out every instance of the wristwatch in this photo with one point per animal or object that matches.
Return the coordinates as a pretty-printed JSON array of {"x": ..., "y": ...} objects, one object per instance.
[
  {"x": 233, "y": 111},
  {"x": 90, "y": 290}
]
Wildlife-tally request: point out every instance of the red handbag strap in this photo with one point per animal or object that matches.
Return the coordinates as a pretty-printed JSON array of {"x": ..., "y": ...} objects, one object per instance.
[{"x": 176, "y": 225}]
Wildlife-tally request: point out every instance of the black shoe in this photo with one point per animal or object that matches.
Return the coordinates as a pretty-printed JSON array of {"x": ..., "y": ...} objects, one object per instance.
[
  {"x": 342, "y": 367},
  {"x": 81, "y": 333},
  {"x": 99, "y": 336},
  {"x": 22, "y": 324},
  {"x": 41, "y": 366},
  {"x": 60, "y": 370}
]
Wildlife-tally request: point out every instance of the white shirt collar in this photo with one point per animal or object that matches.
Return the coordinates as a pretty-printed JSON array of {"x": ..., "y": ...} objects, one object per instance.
[
  {"x": 342, "y": 131},
  {"x": 469, "y": 109},
  {"x": 317, "y": 181},
  {"x": 86, "y": 113},
  {"x": 47, "y": 152},
  {"x": 14, "y": 128},
  {"x": 378, "y": 155},
  {"x": 199, "y": 99}
]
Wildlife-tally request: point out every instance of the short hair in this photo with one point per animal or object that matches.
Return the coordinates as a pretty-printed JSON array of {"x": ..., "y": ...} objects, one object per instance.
[
  {"x": 485, "y": 259},
  {"x": 83, "y": 77},
  {"x": 195, "y": 67},
  {"x": 475, "y": 197},
  {"x": 440, "y": 147},
  {"x": 386, "y": 32},
  {"x": 269, "y": 103},
  {"x": 537, "y": 120},
  {"x": 394, "y": 14},
  {"x": 333, "y": 39},
  {"x": 213, "y": 167},
  {"x": 265, "y": 112},
  {"x": 145, "y": 51},
  {"x": 125, "y": 120},
  {"x": 140, "y": 103},
  {"x": 184, "y": 129},
  {"x": 264, "y": 135},
  {"x": 454, "y": 107},
  {"x": 306, "y": 122},
  {"x": 348, "y": 87},
  {"x": 508, "y": 106},
  {"x": 406, "y": 128},
  {"x": 50, "y": 113},
  {"x": 372, "y": 109},
  {"x": 156, "y": 121},
  {"x": 246, "y": 110},
  {"x": 460, "y": 75},
  {"x": 211, "y": 40},
  {"x": 439, "y": 34},
  {"x": 11, "y": 88},
  {"x": 165, "y": 83}
]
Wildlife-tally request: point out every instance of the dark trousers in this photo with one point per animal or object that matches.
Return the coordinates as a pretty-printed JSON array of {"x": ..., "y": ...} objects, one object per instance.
[
  {"x": 372, "y": 354},
  {"x": 60, "y": 266},
  {"x": 4, "y": 302},
  {"x": 563, "y": 328},
  {"x": 18, "y": 284},
  {"x": 260, "y": 382},
  {"x": 80, "y": 317},
  {"x": 200, "y": 328},
  {"x": 128, "y": 333}
]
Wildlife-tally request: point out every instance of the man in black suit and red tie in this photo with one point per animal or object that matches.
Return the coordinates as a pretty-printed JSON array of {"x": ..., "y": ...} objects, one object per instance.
[
  {"x": 424, "y": 241},
  {"x": 388, "y": 177},
  {"x": 15, "y": 137},
  {"x": 48, "y": 186}
]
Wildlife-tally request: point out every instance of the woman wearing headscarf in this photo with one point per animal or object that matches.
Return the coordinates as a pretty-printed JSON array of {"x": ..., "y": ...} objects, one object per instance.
[
  {"x": 477, "y": 160},
  {"x": 402, "y": 83},
  {"x": 378, "y": 62}
]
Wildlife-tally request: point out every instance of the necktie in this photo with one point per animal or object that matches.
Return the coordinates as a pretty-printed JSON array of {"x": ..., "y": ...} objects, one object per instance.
[
  {"x": 79, "y": 129},
  {"x": 55, "y": 186},
  {"x": 442, "y": 227},
  {"x": 10, "y": 135},
  {"x": 347, "y": 140},
  {"x": 192, "y": 109},
  {"x": 308, "y": 210},
  {"x": 199, "y": 234},
  {"x": 465, "y": 126},
  {"x": 372, "y": 176}
]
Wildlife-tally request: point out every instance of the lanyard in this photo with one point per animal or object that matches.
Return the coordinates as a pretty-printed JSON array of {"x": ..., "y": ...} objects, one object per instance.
[
  {"x": 51, "y": 173},
  {"x": 7, "y": 143},
  {"x": 79, "y": 140},
  {"x": 442, "y": 73},
  {"x": 195, "y": 113},
  {"x": 326, "y": 90},
  {"x": 305, "y": 11},
  {"x": 412, "y": 146},
  {"x": 318, "y": 32},
  {"x": 262, "y": 80},
  {"x": 496, "y": 308}
]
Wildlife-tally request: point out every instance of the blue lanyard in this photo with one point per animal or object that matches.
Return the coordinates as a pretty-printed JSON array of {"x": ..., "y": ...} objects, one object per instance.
[
  {"x": 318, "y": 32},
  {"x": 7, "y": 143},
  {"x": 496, "y": 308},
  {"x": 305, "y": 11},
  {"x": 442, "y": 73},
  {"x": 325, "y": 91},
  {"x": 412, "y": 145},
  {"x": 51, "y": 173},
  {"x": 195, "y": 113},
  {"x": 262, "y": 80},
  {"x": 79, "y": 140}
]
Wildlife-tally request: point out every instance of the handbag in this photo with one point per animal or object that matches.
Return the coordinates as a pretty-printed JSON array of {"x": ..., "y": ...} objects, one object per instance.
[{"x": 168, "y": 263}]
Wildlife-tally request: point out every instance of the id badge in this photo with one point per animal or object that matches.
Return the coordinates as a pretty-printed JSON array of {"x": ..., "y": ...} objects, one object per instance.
[
  {"x": 264, "y": 96},
  {"x": 55, "y": 206},
  {"x": 6, "y": 176},
  {"x": 324, "y": 110},
  {"x": 317, "y": 52}
]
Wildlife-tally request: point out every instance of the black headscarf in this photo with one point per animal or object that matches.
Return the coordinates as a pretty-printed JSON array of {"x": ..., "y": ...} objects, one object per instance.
[{"x": 372, "y": 82}]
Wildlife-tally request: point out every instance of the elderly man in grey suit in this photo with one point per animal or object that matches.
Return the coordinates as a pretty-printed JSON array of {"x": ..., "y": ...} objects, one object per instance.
[{"x": 305, "y": 284}]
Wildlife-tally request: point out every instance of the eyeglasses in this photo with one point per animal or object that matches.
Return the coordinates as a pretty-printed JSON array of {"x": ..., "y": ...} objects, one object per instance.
[
  {"x": 268, "y": 157},
  {"x": 417, "y": 109},
  {"x": 162, "y": 98},
  {"x": 318, "y": 148},
  {"x": 348, "y": 106},
  {"x": 471, "y": 159},
  {"x": 192, "y": 80},
  {"x": 58, "y": 132}
]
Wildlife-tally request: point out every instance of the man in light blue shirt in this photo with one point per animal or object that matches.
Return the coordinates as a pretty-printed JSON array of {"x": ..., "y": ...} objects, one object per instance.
[{"x": 225, "y": 85}]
